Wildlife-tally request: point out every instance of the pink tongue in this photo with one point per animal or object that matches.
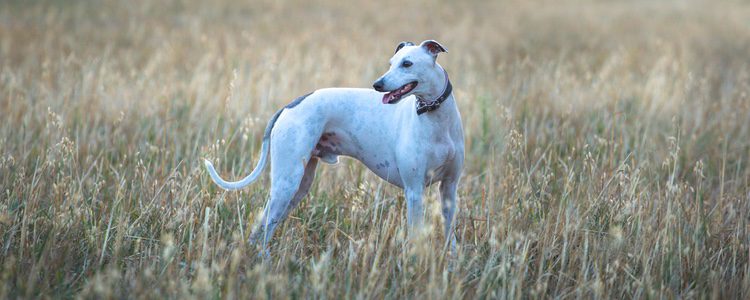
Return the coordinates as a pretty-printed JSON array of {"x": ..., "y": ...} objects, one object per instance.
[{"x": 387, "y": 97}]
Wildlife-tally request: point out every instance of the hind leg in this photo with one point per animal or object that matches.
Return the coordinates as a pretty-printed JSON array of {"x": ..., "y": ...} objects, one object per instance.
[
  {"x": 283, "y": 190},
  {"x": 304, "y": 186},
  {"x": 287, "y": 191},
  {"x": 292, "y": 142}
]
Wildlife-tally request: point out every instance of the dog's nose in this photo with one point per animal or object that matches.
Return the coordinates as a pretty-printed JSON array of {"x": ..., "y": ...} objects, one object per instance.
[{"x": 378, "y": 85}]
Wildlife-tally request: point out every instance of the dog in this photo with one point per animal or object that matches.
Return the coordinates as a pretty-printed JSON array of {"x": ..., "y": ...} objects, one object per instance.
[{"x": 407, "y": 131}]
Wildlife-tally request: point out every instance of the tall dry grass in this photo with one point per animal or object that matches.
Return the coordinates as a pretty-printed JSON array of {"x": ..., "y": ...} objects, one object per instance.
[{"x": 607, "y": 144}]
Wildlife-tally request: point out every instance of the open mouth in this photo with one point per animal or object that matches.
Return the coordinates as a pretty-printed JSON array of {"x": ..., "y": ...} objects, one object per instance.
[{"x": 396, "y": 95}]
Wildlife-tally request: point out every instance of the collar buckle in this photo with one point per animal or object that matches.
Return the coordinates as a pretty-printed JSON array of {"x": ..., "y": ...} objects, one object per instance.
[{"x": 424, "y": 106}]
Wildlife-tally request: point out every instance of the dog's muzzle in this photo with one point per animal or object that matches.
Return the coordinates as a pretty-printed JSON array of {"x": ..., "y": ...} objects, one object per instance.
[
  {"x": 378, "y": 85},
  {"x": 396, "y": 95}
]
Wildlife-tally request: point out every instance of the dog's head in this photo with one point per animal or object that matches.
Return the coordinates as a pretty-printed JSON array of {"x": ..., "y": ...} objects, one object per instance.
[{"x": 413, "y": 71}]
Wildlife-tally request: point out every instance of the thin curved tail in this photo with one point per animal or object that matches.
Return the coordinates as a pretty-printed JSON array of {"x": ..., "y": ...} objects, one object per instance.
[{"x": 235, "y": 185}]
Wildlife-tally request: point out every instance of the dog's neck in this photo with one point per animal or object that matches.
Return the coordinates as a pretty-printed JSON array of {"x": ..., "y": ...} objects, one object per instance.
[{"x": 438, "y": 94}]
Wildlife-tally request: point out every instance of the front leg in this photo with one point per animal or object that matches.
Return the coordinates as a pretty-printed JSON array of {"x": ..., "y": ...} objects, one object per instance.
[
  {"x": 412, "y": 175},
  {"x": 414, "y": 208},
  {"x": 448, "y": 203}
]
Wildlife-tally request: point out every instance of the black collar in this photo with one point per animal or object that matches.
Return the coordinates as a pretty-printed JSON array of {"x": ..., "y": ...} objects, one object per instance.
[{"x": 425, "y": 106}]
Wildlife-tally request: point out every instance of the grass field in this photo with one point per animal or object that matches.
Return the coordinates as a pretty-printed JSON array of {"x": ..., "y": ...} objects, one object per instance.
[{"x": 607, "y": 150}]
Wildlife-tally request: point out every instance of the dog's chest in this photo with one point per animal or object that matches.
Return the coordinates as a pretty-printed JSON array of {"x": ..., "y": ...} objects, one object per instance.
[{"x": 438, "y": 160}]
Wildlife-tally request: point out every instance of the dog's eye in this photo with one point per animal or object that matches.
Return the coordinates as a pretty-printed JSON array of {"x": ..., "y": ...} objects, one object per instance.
[{"x": 406, "y": 64}]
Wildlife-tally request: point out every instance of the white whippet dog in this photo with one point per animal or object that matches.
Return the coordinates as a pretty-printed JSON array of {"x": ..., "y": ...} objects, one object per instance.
[{"x": 412, "y": 138}]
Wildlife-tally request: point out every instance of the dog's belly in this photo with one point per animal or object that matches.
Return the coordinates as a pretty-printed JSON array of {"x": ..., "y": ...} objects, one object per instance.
[
  {"x": 335, "y": 143},
  {"x": 385, "y": 169}
]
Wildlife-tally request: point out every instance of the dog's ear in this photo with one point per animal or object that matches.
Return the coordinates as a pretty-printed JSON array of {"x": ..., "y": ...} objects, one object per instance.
[
  {"x": 402, "y": 44},
  {"x": 433, "y": 47}
]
